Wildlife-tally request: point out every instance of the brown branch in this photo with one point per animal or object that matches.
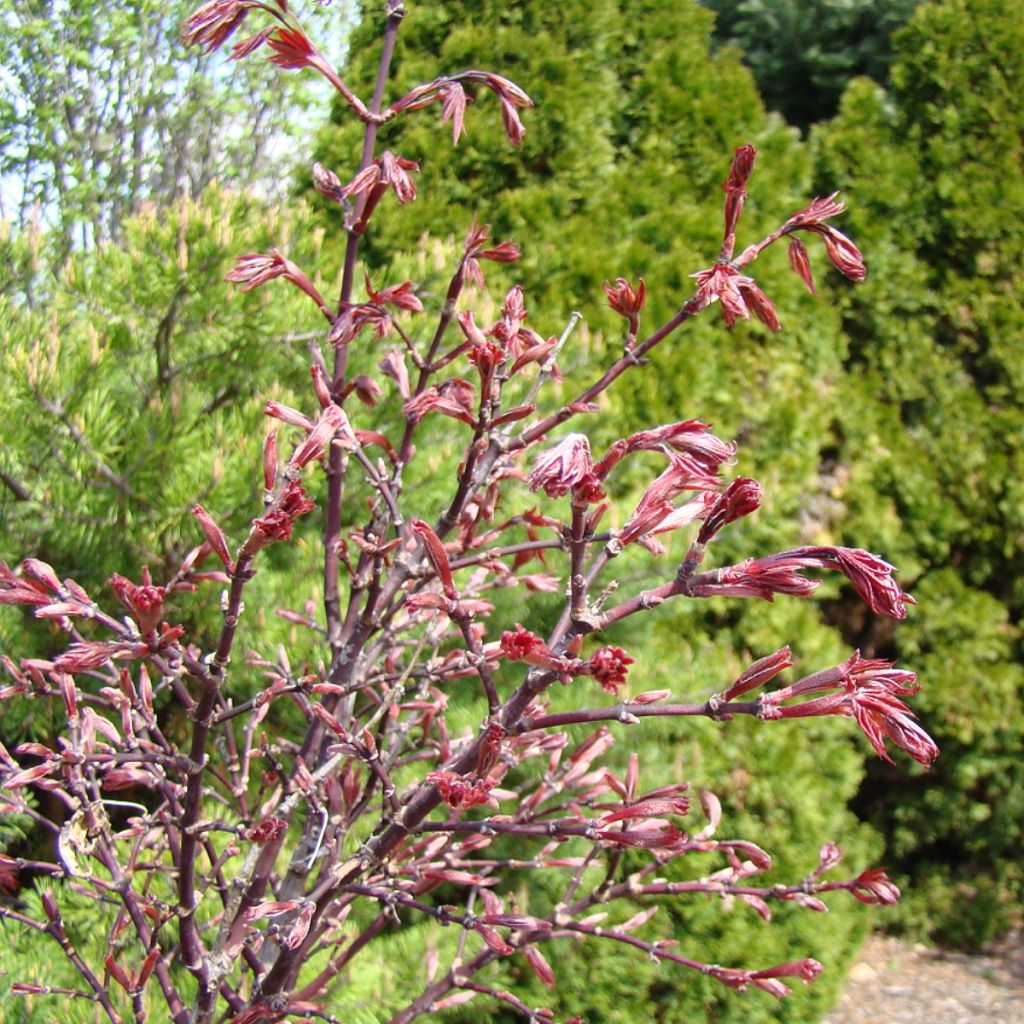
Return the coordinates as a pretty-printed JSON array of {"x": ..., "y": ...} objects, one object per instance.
[{"x": 18, "y": 489}]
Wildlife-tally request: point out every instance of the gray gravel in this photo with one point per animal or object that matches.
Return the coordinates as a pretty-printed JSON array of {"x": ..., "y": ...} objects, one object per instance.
[{"x": 896, "y": 982}]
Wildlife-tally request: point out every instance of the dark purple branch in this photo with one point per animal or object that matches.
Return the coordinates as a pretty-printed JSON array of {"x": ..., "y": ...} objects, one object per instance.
[
  {"x": 631, "y": 358},
  {"x": 478, "y": 660},
  {"x": 453, "y": 979},
  {"x": 627, "y": 714},
  {"x": 335, "y": 462},
  {"x": 55, "y": 927}
]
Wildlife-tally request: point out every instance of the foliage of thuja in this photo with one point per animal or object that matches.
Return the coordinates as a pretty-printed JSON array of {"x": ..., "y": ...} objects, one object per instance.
[
  {"x": 630, "y": 114},
  {"x": 284, "y": 832},
  {"x": 618, "y": 159},
  {"x": 611, "y": 89},
  {"x": 929, "y": 433},
  {"x": 934, "y": 333}
]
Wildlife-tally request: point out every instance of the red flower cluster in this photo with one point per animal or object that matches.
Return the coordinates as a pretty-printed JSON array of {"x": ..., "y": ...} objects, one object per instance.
[
  {"x": 458, "y": 791},
  {"x": 278, "y": 523},
  {"x": 145, "y": 603},
  {"x": 520, "y": 644},
  {"x": 608, "y": 666},
  {"x": 266, "y": 831}
]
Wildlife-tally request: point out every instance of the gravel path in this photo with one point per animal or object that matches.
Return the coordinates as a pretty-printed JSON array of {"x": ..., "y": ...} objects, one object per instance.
[{"x": 896, "y": 982}]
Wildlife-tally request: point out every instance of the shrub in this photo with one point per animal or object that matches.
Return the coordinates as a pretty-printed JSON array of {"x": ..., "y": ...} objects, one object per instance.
[
  {"x": 929, "y": 431},
  {"x": 426, "y": 771}
]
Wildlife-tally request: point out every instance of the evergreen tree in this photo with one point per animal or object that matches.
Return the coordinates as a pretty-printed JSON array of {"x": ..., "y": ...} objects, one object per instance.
[
  {"x": 931, "y": 426},
  {"x": 635, "y": 120},
  {"x": 804, "y": 52},
  {"x": 122, "y": 379},
  {"x": 101, "y": 111}
]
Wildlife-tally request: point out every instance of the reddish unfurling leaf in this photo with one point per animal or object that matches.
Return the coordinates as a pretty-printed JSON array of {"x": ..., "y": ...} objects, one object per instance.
[{"x": 214, "y": 535}]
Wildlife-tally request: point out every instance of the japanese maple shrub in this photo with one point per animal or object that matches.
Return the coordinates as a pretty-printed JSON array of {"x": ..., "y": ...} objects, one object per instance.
[{"x": 428, "y": 759}]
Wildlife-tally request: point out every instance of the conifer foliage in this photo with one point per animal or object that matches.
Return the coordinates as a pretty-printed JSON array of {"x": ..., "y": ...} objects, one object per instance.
[
  {"x": 438, "y": 748},
  {"x": 931, "y": 429}
]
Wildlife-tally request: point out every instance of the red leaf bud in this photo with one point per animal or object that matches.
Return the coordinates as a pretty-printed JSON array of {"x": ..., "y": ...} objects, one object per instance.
[
  {"x": 539, "y": 965},
  {"x": 844, "y": 255},
  {"x": 270, "y": 461},
  {"x": 214, "y": 535},
  {"x": 761, "y": 672},
  {"x": 117, "y": 972},
  {"x": 562, "y": 467},
  {"x": 874, "y": 887},
  {"x": 212, "y": 24},
  {"x": 292, "y": 49},
  {"x": 800, "y": 261},
  {"x": 437, "y": 556},
  {"x": 327, "y": 183}
]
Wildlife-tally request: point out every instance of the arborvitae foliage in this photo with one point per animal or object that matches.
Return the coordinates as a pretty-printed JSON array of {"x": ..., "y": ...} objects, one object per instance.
[
  {"x": 930, "y": 431},
  {"x": 658, "y": 106},
  {"x": 632, "y": 110},
  {"x": 561, "y": 51},
  {"x": 618, "y": 87}
]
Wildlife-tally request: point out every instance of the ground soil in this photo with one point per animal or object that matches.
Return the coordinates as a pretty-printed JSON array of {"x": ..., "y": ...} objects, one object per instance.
[{"x": 898, "y": 982}]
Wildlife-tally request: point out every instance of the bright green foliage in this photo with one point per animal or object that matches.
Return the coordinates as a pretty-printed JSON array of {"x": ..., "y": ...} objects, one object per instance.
[
  {"x": 132, "y": 385},
  {"x": 916, "y": 453},
  {"x": 931, "y": 431},
  {"x": 633, "y": 130},
  {"x": 804, "y": 52}
]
